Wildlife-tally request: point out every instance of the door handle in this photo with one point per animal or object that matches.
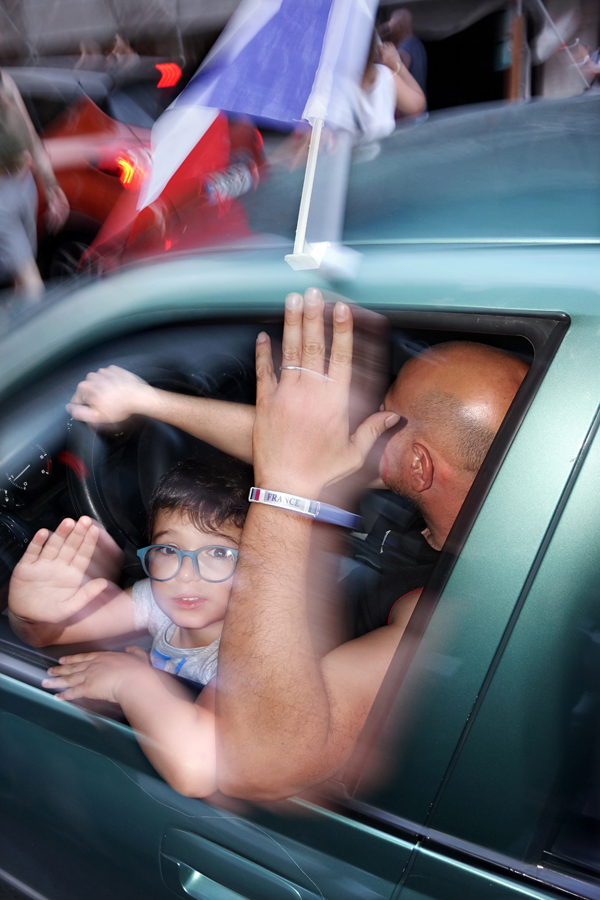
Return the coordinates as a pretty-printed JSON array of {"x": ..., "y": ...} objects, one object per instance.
[
  {"x": 206, "y": 871},
  {"x": 199, "y": 886}
]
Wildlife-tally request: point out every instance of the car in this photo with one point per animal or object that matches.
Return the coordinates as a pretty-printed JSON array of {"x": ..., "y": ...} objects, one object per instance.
[
  {"x": 199, "y": 206},
  {"x": 96, "y": 129},
  {"x": 476, "y": 775}
]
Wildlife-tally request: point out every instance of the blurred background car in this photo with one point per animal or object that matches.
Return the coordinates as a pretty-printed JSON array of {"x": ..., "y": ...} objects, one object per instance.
[{"x": 96, "y": 129}]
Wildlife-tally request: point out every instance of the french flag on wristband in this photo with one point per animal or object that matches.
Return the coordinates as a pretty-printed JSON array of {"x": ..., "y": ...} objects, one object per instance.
[{"x": 320, "y": 512}]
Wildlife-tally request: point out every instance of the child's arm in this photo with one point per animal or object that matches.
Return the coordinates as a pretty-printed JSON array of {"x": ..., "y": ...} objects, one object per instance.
[
  {"x": 176, "y": 733},
  {"x": 52, "y": 599},
  {"x": 113, "y": 394}
]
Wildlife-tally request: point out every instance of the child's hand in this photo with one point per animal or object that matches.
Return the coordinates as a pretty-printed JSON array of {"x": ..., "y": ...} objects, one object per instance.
[
  {"x": 100, "y": 675},
  {"x": 107, "y": 560},
  {"x": 49, "y": 583},
  {"x": 110, "y": 395}
]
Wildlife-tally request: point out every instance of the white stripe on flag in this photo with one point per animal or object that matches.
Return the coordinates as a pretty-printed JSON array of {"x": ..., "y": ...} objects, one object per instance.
[{"x": 174, "y": 136}]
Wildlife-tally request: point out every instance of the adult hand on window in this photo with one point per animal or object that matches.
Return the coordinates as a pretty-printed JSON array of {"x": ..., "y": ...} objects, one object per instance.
[{"x": 302, "y": 438}]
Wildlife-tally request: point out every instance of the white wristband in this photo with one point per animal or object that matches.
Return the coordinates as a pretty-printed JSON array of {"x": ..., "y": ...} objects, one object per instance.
[{"x": 321, "y": 512}]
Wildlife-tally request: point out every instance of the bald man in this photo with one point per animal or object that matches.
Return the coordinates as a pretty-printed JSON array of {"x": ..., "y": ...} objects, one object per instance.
[
  {"x": 454, "y": 397},
  {"x": 287, "y": 719}
]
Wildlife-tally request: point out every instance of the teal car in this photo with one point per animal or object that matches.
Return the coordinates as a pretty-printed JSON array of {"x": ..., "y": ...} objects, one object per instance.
[{"x": 477, "y": 776}]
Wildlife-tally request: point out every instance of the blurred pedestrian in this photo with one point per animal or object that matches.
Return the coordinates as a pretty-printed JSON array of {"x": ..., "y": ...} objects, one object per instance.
[
  {"x": 411, "y": 49},
  {"x": 387, "y": 87},
  {"x": 20, "y": 150},
  {"x": 91, "y": 57},
  {"x": 122, "y": 58}
]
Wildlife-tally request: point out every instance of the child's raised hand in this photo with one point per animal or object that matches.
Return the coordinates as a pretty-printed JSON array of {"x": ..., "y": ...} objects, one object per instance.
[
  {"x": 100, "y": 675},
  {"x": 110, "y": 395},
  {"x": 49, "y": 584}
]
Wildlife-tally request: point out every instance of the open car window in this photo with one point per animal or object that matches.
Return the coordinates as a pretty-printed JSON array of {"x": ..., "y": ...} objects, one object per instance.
[{"x": 53, "y": 467}]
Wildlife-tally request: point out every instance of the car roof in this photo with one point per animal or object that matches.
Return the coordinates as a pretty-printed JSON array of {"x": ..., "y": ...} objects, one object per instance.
[
  {"x": 500, "y": 171},
  {"x": 496, "y": 172}
]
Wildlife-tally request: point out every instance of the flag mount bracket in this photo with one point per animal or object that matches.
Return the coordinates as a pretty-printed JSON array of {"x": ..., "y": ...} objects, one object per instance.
[{"x": 310, "y": 257}]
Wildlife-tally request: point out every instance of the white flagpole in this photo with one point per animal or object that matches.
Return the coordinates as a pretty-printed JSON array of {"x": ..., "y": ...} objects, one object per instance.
[{"x": 301, "y": 257}]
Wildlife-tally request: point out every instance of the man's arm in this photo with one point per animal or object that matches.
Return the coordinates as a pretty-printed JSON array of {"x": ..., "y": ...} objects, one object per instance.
[
  {"x": 53, "y": 600},
  {"x": 285, "y": 719},
  {"x": 113, "y": 394},
  {"x": 176, "y": 733}
]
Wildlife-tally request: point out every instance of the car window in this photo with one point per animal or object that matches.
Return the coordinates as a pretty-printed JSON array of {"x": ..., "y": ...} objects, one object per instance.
[
  {"x": 52, "y": 467},
  {"x": 43, "y": 110}
]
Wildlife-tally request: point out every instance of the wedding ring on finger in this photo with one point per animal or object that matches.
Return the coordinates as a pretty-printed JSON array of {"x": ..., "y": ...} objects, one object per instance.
[{"x": 310, "y": 372}]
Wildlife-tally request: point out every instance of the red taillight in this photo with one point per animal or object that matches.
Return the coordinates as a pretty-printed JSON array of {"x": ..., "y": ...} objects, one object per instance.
[
  {"x": 131, "y": 171},
  {"x": 170, "y": 73}
]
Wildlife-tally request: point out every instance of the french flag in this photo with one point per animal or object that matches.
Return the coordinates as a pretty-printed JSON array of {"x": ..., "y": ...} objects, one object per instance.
[{"x": 279, "y": 62}]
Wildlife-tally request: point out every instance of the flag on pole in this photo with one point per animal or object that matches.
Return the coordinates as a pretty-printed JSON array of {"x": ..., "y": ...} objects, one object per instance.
[{"x": 277, "y": 61}]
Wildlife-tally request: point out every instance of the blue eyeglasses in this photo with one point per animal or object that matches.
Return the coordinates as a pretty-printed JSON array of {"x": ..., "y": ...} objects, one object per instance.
[{"x": 214, "y": 563}]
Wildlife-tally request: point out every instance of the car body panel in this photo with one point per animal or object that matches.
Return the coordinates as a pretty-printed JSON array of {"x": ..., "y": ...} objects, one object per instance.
[
  {"x": 63, "y": 766},
  {"x": 548, "y": 640},
  {"x": 433, "y": 877}
]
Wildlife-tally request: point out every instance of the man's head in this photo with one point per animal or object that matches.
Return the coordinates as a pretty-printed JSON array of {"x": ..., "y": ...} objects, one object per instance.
[
  {"x": 400, "y": 25},
  {"x": 454, "y": 397}
]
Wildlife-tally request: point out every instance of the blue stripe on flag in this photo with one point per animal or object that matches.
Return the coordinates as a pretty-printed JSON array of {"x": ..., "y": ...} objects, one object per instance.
[{"x": 272, "y": 75}]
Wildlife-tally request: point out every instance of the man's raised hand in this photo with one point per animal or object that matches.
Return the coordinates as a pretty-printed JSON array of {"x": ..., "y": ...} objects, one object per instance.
[
  {"x": 49, "y": 584},
  {"x": 301, "y": 438},
  {"x": 110, "y": 395}
]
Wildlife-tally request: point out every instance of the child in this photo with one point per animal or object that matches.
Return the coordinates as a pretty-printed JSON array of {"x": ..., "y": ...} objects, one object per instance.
[{"x": 196, "y": 520}]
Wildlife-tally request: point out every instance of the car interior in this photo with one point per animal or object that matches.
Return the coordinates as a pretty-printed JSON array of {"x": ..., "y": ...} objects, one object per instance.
[{"x": 53, "y": 466}]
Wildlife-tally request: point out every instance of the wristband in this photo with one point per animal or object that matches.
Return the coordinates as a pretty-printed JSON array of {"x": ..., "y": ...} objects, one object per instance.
[{"x": 321, "y": 512}]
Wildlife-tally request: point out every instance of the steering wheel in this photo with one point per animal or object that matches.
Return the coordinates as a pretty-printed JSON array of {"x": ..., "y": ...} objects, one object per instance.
[{"x": 118, "y": 467}]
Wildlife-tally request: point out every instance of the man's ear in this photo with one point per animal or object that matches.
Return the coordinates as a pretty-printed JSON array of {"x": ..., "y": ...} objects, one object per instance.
[{"x": 421, "y": 468}]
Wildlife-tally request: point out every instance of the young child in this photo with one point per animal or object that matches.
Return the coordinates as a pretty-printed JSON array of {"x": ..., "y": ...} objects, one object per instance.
[{"x": 195, "y": 523}]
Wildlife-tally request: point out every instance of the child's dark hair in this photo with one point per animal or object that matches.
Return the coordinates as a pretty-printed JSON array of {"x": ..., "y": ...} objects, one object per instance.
[{"x": 211, "y": 493}]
